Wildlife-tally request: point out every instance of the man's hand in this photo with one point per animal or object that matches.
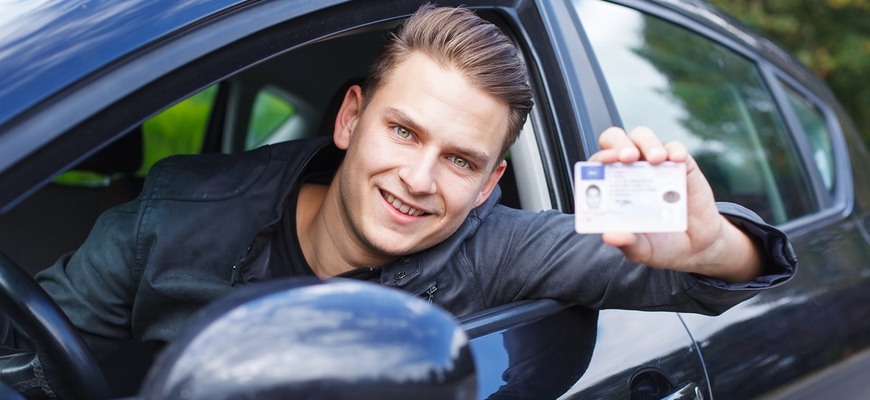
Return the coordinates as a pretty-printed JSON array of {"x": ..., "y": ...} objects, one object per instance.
[{"x": 711, "y": 245}]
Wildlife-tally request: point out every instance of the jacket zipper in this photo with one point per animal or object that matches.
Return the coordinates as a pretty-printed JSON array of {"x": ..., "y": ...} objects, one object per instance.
[
  {"x": 237, "y": 267},
  {"x": 429, "y": 293}
]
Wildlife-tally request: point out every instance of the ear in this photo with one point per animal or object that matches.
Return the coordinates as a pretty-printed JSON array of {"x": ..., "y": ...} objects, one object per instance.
[
  {"x": 348, "y": 117},
  {"x": 490, "y": 183}
]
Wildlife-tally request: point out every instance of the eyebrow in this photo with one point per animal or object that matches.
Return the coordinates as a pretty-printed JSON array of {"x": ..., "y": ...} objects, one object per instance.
[{"x": 479, "y": 158}]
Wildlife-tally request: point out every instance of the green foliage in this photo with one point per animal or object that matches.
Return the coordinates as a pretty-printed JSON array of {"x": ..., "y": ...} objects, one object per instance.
[
  {"x": 270, "y": 111},
  {"x": 179, "y": 129},
  {"x": 832, "y": 37}
]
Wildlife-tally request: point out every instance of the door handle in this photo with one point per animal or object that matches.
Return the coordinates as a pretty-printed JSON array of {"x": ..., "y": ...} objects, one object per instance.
[{"x": 651, "y": 384}]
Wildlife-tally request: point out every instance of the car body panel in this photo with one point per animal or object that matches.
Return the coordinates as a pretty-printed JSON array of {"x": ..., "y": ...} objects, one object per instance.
[{"x": 577, "y": 353}]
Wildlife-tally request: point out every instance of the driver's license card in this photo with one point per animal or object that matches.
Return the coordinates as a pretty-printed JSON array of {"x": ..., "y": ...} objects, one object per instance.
[{"x": 636, "y": 197}]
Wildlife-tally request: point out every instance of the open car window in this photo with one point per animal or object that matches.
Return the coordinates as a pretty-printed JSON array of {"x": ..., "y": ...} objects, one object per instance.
[{"x": 273, "y": 101}]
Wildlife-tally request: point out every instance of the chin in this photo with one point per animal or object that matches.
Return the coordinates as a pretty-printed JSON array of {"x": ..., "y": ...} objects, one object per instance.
[
  {"x": 392, "y": 251},
  {"x": 393, "y": 246}
]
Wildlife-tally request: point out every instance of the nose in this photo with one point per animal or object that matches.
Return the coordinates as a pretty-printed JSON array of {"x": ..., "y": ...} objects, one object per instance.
[{"x": 418, "y": 174}]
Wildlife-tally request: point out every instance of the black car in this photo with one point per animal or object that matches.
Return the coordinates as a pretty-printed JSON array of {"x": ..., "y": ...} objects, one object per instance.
[{"x": 93, "y": 92}]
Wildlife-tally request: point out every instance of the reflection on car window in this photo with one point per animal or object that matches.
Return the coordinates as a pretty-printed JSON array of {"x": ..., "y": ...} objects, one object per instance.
[
  {"x": 271, "y": 112},
  {"x": 813, "y": 124},
  {"x": 688, "y": 88}
]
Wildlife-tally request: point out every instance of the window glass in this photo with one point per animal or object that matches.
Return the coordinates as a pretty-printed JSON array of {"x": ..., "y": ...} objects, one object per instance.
[
  {"x": 816, "y": 130},
  {"x": 179, "y": 129},
  {"x": 688, "y": 88},
  {"x": 269, "y": 118}
]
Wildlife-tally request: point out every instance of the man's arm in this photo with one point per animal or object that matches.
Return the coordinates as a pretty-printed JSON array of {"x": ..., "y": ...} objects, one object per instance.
[
  {"x": 711, "y": 246},
  {"x": 95, "y": 286}
]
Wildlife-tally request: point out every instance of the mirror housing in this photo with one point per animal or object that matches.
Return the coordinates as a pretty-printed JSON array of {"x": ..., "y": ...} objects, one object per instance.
[{"x": 303, "y": 338}]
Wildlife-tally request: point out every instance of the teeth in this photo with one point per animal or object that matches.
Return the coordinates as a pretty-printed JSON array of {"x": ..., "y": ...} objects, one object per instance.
[{"x": 404, "y": 209}]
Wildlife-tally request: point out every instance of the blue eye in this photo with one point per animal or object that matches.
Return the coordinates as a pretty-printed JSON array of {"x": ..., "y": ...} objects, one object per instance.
[{"x": 402, "y": 132}]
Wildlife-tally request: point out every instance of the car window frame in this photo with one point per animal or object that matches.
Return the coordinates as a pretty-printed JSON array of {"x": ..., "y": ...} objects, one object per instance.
[{"x": 181, "y": 74}]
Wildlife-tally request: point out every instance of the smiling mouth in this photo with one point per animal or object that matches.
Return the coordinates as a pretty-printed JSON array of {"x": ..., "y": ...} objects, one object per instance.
[{"x": 401, "y": 207}]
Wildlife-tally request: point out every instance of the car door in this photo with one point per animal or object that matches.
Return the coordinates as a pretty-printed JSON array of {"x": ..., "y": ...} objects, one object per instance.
[
  {"x": 542, "y": 349},
  {"x": 767, "y": 136}
]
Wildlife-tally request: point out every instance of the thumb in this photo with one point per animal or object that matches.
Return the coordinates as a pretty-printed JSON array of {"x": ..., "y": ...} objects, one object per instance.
[{"x": 635, "y": 248}]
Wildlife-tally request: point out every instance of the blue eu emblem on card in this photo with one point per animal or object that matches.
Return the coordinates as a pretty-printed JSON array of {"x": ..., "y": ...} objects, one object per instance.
[{"x": 592, "y": 172}]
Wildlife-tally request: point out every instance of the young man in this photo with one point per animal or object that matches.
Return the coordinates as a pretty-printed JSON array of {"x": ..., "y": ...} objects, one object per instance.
[{"x": 404, "y": 194}]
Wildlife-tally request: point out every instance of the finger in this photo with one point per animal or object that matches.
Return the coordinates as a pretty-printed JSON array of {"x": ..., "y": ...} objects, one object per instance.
[
  {"x": 615, "y": 146},
  {"x": 651, "y": 148},
  {"x": 619, "y": 239},
  {"x": 677, "y": 152},
  {"x": 635, "y": 248}
]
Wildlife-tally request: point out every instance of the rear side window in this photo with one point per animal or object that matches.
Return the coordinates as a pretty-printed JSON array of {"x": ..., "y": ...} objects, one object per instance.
[
  {"x": 812, "y": 122},
  {"x": 179, "y": 129},
  {"x": 691, "y": 89},
  {"x": 269, "y": 118}
]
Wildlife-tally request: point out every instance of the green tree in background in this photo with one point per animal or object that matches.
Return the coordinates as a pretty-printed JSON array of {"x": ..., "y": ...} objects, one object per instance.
[{"x": 832, "y": 37}]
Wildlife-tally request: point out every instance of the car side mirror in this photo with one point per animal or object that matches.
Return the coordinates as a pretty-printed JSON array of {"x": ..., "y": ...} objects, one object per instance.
[{"x": 306, "y": 339}]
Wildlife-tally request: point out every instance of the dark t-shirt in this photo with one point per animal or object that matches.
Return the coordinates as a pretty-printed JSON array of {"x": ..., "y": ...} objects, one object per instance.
[{"x": 287, "y": 251}]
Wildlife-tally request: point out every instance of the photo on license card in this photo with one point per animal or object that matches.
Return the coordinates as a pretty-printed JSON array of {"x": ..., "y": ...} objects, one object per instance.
[{"x": 637, "y": 197}]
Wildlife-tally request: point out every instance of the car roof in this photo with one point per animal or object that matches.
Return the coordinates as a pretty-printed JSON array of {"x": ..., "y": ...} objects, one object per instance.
[{"x": 48, "y": 45}]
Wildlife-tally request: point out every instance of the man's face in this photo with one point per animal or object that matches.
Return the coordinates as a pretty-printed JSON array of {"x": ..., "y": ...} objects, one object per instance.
[{"x": 420, "y": 156}]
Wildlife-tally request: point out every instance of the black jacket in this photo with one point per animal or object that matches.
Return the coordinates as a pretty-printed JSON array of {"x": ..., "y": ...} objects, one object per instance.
[{"x": 202, "y": 225}]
